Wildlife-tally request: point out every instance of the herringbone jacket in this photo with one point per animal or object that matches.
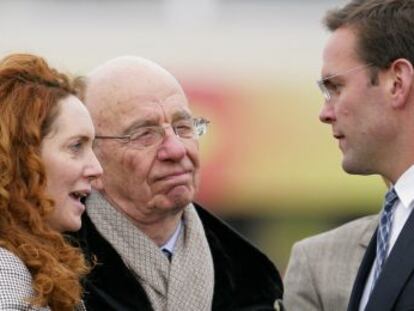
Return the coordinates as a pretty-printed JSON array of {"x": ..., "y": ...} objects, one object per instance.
[{"x": 16, "y": 285}]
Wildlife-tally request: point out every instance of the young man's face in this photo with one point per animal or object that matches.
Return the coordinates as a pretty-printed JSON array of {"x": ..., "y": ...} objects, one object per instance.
[{"x": 358, "y": 110}]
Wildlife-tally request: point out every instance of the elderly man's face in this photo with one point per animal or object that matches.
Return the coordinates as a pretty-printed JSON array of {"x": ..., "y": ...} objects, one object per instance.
[{"x": 157, "y": 178}]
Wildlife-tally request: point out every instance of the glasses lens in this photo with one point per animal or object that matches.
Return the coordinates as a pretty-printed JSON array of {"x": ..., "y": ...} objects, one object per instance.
[
  {"x": 200, "y": 125},
  {"x": 185, "y": 128},
  {"x": 146, "y": 136},
  {"x": 151, "y": 135},
  {"x": 324, "y": 90}
]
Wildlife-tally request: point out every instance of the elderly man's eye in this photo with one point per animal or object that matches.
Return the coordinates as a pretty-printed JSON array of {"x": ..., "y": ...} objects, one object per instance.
[
  {"x": 185, "y": 126},
  {"x": 142, "y": 133},
  {"x": 146, "y": 136}
]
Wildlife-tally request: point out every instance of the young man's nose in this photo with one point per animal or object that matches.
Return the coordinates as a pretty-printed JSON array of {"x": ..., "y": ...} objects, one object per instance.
[{"x": 327, "y": 113}]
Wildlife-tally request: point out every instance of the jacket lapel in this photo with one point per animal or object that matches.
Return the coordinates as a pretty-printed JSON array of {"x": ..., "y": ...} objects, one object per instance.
[
  {"x": 397, "y": 269},
  {"x": 363, "y": 272},
  {"x": 369, "y": 230}
]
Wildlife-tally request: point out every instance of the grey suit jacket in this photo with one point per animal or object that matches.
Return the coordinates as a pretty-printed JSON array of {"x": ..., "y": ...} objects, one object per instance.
[{"x": 322, "y": 268}]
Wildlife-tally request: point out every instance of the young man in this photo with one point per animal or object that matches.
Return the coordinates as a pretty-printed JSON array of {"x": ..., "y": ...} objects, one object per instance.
[{"x": 367, "y": 81}]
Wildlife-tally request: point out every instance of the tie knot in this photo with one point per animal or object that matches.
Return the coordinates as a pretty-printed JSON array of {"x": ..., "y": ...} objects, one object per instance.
[
  {"x": 390, "y": 199},
  {"x": 167, "y": 253}
]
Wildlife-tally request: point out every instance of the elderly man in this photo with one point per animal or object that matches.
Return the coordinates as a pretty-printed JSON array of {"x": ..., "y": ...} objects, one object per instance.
[
  {"x": 155, "y": 248},
  {"x": 368, "y": 84}
]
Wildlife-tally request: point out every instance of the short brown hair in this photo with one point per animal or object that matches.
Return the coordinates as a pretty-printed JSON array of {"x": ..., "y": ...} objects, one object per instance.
[{"x": 384, "y": 29}]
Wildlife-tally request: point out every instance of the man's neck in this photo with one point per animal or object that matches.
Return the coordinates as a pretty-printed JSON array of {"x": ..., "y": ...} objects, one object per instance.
[
  {"x": 158, "y": 226},
  {"x": 161, "y": 231}
]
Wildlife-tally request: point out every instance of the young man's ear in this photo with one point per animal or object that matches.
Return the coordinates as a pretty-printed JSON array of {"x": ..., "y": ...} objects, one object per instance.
[{"x": 401, "y": 75}]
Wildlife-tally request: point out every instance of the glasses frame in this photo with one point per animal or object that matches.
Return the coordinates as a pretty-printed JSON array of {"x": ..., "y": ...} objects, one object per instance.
[
  {"x": 321, "y": 83},
  {"x": 200, "y": 128}
]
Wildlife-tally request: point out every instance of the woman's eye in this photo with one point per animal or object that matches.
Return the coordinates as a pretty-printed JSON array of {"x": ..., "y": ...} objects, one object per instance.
[{"x": 77, "y": 146}]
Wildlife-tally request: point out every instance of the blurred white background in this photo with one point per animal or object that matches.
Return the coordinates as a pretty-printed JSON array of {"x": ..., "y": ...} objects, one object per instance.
[{"x": 250, "y": 66}]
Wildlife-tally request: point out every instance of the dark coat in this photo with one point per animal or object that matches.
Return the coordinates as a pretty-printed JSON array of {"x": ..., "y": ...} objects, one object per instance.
[
  {"x": 245, "y": 279},
  {"x": 394, "y": 290}
]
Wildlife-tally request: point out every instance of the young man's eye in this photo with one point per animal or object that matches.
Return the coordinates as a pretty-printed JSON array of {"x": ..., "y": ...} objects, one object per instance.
[{"x": 333, "y": 88}]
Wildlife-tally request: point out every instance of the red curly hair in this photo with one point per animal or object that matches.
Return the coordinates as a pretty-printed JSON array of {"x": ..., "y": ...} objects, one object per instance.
[{"x": 30, "y": 92}]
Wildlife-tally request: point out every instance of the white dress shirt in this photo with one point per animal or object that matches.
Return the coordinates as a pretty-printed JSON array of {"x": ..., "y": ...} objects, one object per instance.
[
  {"x": 404, "y": 187},
  {"x": 170, "y": 244}
]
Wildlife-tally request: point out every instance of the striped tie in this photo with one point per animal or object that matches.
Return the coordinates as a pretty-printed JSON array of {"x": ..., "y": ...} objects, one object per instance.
[{"x": 383, "y": 233}]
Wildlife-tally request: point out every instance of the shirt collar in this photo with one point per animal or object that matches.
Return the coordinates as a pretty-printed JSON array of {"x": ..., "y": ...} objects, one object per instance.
[
  {"x": 170, "y": 244},
  {"x": 404, "y": 187}
]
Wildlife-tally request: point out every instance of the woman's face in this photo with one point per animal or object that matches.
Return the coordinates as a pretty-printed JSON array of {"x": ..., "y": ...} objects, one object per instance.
[{"x": 70, "y": 163}]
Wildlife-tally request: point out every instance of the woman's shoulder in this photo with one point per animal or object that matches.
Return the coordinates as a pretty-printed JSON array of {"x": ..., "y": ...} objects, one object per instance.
[
  {"x": 15, "y": 283},
  {"x": 9, "y": 261}
]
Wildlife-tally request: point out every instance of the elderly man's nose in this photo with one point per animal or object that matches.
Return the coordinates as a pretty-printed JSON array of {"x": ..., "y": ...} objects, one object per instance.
[{"x": 172, "y": 147}]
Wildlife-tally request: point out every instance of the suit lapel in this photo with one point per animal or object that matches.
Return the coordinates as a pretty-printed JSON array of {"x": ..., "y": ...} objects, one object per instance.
[
  {"x": 366, "y": 235},
  {"x": 396, "y": 271},
  {"x": 363, "y": 272}
]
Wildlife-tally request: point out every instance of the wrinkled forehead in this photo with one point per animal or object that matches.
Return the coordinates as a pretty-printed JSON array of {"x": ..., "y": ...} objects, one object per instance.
[
  {"x": 149, "y": 110},
  {"x": 149, "y": 83},
  {"x": 144, "y": 110},
  {"x": 141, "y": 91}
]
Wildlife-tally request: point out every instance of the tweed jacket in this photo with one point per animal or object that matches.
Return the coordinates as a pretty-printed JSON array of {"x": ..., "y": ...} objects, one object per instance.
[
  {"x": 245, "y": 279},
  {"x": 15, "y": 283},
  {"x": 322, "y": 269}
]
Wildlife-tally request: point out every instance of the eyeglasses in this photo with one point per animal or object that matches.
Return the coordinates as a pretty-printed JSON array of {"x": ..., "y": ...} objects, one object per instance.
[
  {"x": 148, "y": 136},
  {"x": 328, "y": 88}
]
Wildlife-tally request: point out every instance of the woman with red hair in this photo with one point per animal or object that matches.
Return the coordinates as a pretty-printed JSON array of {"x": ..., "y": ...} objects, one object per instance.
[{"x": 46, "y": 169}]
